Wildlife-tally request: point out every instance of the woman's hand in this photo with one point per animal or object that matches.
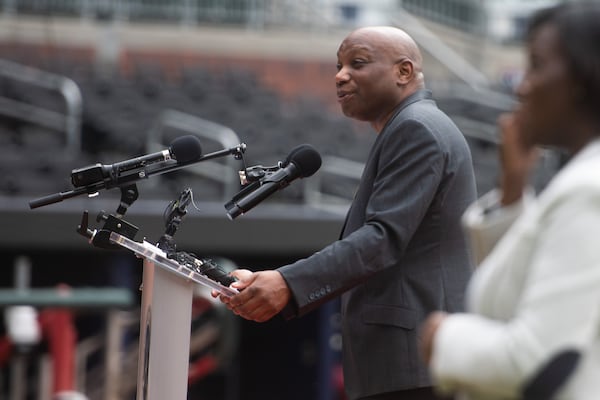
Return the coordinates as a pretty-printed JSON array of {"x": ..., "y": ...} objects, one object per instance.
[
  {"x": 517, "y": 158},
  {"x": 428, "y": 330}
]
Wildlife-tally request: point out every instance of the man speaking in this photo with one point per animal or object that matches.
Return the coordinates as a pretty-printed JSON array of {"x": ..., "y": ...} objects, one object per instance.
[{"x": 401, "y": 252}]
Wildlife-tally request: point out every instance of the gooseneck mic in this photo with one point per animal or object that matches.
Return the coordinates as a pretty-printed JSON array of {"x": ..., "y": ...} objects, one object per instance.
[
  {"x": 303, "y": 161},
  {"x": 182, "y": 149}
]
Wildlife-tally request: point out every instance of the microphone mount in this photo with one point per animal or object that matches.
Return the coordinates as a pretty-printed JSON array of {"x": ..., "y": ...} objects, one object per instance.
[
  {"x": 173, "y": 216},
  {"x": 257, "y": 172},
  {"x": 112, "y": 223}
]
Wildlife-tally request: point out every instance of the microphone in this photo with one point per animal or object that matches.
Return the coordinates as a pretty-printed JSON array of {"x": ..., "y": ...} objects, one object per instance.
[
  {"x": 549, "y": 379},
  {"x": 184, "y": 149},
  {"x": 303, "y": 161}
]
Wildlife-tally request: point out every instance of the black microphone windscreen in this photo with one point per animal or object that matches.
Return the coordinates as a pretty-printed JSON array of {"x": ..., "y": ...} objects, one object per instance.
[
  {"x": 306, "y": 159},
  {"x": 186, "y": 148}
]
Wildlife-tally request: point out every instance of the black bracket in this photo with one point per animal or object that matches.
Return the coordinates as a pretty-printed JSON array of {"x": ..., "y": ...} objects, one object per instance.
[
  {"x": 112, "y": 223},
  {"x": 173, "y": 215}
]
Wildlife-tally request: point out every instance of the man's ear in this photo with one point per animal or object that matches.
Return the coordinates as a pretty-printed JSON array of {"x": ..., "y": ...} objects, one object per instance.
[{"x": 405, "y": 71}]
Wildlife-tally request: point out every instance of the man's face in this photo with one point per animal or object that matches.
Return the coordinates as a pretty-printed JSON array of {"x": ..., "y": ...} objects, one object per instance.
[
  {"x": 548, "y": 91},
  {"x": 366, "y": 79}
]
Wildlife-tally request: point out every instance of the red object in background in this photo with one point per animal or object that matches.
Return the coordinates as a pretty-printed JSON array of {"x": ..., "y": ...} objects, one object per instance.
[
  {"x": 5, "y": 350},
  {"x": 337, "y": 376},
  {"x": 201, "y": 368},
  {"x": 59, "y": 332}
]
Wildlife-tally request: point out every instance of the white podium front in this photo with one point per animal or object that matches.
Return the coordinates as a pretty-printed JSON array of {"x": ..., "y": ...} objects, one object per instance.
[
  {"x": 165, "y": 321},
  {"x": 164, "y": 344}
]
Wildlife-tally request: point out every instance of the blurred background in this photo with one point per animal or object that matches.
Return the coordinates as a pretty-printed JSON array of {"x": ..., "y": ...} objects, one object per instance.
[{"x": 102, "y": 81}]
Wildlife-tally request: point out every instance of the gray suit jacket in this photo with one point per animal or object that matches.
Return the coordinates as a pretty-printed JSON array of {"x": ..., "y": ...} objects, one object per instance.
[{"x": 402, "y": 252}]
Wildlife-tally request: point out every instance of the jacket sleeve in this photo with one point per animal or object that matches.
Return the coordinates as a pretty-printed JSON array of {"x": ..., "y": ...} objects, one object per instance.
[
  {"x": 408, "y": 168},
  {"x": 485, "y": 221}
]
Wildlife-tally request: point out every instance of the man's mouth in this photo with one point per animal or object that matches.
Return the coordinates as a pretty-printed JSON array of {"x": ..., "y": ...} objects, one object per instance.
[{"x": 343, "y": 95}]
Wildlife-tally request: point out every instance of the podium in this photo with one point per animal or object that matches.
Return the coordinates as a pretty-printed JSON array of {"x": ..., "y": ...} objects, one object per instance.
[
  {"x": 165, "y": 320},
  {"x": 167, "y": 284}
]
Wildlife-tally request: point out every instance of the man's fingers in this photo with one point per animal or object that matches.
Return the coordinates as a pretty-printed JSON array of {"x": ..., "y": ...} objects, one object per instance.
[
  {"x": 242, "y": 297},
  {"x": 242, "y": 274},
  {"x": 257, "y": 309}
]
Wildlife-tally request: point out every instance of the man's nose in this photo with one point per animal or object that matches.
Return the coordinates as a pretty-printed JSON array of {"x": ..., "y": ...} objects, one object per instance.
[{"x": 341, "y": 76}]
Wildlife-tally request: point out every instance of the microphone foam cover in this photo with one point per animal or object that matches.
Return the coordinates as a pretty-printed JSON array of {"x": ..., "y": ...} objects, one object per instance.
[
  {"x": 186, "y": 148},
  {"x": 306, "y": 159}
]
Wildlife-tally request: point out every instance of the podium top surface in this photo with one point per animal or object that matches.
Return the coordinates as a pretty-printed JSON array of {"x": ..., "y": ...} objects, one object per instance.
[{"x": 159, "y": 258}]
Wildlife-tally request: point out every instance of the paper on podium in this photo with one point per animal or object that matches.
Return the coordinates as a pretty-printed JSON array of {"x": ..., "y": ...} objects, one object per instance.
[{"x": 159, "y": 257}]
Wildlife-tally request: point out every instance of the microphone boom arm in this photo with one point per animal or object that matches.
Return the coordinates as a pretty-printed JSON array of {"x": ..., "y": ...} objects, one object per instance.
[{"x": 129, "y": 176}]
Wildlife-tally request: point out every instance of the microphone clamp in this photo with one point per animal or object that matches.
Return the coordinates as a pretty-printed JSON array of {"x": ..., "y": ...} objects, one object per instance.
[{"x": 257, "y": 172}]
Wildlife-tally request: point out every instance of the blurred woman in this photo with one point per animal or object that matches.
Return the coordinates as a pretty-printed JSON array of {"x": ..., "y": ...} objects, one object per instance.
[{"x": 536, "y": 295}]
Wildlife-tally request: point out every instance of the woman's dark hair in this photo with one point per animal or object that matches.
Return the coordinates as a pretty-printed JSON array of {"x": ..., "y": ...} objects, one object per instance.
[{"x": 578, "y": 25}]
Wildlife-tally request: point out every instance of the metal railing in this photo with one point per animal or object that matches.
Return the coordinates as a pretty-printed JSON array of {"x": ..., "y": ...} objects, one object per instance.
[
  {"x": 466, "y": 15},
  {"x": 69, "y": 122},
  {"x": 226, "y": 172},
  {"x": 315, "y": 191},
  {"x": 174, "y": 11}
]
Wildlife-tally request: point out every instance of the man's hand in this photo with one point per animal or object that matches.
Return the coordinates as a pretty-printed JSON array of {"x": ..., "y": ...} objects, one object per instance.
[
  {"x": 240, "y": 275},
  {"x": 262, "y": 295}
]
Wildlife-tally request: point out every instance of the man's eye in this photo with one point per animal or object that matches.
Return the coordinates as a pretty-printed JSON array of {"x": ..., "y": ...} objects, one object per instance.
[
  {"x": 358, "y": 63},
  {"x": 338, "y": 67}
]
